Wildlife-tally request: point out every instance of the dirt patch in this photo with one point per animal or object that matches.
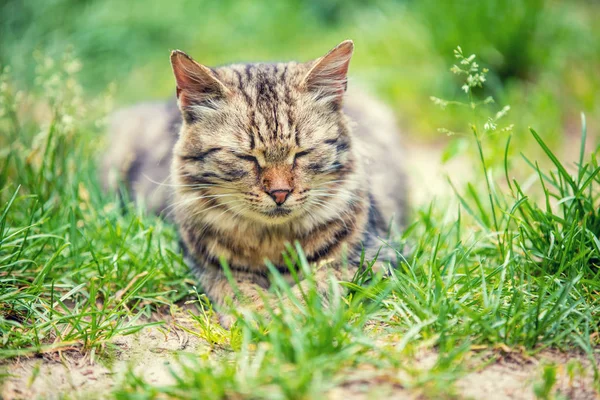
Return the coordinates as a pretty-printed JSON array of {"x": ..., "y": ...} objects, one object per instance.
[
  {"x": 150, "y": 354},
  {"x": 517, "y": 377},
  {"x": 512, "y": 377}
]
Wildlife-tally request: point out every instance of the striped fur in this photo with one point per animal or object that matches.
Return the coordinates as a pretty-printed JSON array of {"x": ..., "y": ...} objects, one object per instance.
[{"x": 250, "y": 129}]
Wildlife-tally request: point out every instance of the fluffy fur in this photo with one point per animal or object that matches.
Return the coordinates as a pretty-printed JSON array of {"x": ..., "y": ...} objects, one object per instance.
[{"x": 265, "y": 155}]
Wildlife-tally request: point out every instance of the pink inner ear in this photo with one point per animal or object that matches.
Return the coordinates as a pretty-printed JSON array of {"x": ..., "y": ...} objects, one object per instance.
[
  {"x": 195, "y": 82},
  {"x": 184, "y": 99}
]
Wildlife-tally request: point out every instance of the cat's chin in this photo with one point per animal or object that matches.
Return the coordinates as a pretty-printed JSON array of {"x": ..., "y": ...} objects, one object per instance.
[
  {"x": 279, "y": 212},
  {"x": 278, "y": 216}
]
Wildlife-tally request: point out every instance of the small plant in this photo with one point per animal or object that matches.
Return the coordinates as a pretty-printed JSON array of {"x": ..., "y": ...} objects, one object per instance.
[
  {"x": 544, "y": 388},
  {"x": 484, "y": 124}
]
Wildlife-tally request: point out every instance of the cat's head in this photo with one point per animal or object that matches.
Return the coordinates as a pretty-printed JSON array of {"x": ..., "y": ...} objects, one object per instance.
[{"x": 268, "y": 142}]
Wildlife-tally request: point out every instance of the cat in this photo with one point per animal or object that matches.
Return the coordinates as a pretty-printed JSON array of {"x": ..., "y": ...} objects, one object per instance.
[{"x": 255, "y": 156}]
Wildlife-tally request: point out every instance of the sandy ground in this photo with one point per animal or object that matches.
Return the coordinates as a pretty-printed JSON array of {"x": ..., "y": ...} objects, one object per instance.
[
  {"x": 150, "y": 351},
  {"x": 509, "y": 378}
]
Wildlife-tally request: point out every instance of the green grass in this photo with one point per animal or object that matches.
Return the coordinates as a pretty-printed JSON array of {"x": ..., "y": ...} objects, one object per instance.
[
  {"x": 74, "y": 269},
  {"x": 515, "y": 263}
]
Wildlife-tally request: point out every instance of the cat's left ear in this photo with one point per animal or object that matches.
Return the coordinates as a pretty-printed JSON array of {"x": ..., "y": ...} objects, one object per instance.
[
  {"x": 328, "y": 74},
  {"x": 196, "y": 84}
]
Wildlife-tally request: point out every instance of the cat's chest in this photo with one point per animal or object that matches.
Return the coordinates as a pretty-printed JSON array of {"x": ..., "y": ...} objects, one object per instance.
[
  {"x": 244, "y": 246},
  {"x": 254, "y": 247},
  {"x": 250, "y": 249}
]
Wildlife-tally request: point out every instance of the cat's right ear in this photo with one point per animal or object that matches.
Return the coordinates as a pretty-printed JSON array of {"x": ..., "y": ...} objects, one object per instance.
[
  {"x": 327, "y": 75},
  {"x": 196, "y": 84}
]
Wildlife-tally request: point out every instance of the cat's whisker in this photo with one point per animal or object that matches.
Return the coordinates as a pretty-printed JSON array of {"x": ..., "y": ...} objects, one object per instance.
[
  {"x": 237, "y": 212},
  {"x": 194, "y": 185},
  {"x": 185, "y": 201},
  {"x": 202, "y": 211},
  {"x": 227, "y": 209},
  {"x": 335, "y": 194},
  {"x": 325, "y": 203},
  {"x": 319, "y": 185},
  {"x": 332, "y": 190},
  {"x": 309, "y": 214},
  {"x": 332, "y": 210},
  {"x": 208, "y": 196}
]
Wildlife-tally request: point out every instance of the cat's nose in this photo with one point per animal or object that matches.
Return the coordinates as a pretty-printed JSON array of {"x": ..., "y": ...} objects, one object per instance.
[{"x": 279, "y": 196}]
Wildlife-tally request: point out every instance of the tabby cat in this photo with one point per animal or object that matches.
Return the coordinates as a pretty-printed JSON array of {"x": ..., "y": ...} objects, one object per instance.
[{"x": 262, "y": 155}]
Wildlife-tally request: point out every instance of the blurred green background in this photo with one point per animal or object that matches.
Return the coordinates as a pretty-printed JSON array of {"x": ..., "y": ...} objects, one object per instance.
[{"x": 543, "y": 55}]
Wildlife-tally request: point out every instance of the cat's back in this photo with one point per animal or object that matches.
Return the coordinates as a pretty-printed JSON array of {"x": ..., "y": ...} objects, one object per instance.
[
  {"x": 378, "y": 144},
  {"x": 139, "y": 151}
]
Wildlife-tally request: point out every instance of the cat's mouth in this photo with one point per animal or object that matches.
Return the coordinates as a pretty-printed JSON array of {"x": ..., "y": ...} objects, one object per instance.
[
  {"x": 275, "y": 215},
  {"x": 278, "y": 212}
]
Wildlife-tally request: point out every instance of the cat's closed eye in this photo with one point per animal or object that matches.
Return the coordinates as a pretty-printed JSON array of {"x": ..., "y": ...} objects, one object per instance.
[
  {"x": 200, "y": 156},
  {"x": 247, "y": 157},
  {"x": 302, "y": 153}
]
